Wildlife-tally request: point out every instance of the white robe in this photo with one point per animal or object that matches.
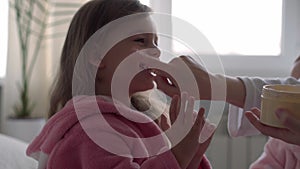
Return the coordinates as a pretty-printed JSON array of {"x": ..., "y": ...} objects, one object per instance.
[{"x": 238, "y": 124}]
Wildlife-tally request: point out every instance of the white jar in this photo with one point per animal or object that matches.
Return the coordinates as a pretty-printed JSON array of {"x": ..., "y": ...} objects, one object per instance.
[{"x": 279, "y": 96}]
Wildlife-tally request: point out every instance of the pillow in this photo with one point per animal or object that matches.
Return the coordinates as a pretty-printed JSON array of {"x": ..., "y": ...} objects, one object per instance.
[{"x": 12, "y": 154}]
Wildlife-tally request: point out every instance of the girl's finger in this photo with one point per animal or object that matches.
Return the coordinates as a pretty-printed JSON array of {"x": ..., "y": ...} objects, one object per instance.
[
  {"x": 164, "y": 123},
  {"x": 206, "y": 128},
  {"x": 189, "y": 111},
  {"x": 183, "y": 101},
  {"x": 174, "y": 110},
  {"x": 199, "y": 122}
]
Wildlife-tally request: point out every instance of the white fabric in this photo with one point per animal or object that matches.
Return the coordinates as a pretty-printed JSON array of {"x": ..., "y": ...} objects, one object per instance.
[
  {"x": 12, "y": 154},
  {"x": 238, "y": 124}
]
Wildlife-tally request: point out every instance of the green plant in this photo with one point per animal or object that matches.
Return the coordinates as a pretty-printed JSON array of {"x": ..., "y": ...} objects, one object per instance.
[{"x": 32, "y": 20}]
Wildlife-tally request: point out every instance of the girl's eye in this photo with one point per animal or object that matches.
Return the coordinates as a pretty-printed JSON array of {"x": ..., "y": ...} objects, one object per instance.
[{"x": 140, "y": 40}]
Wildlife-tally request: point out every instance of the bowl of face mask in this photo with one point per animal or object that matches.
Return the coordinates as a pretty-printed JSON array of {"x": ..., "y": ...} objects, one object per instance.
[{"x": 279, "y": 96}]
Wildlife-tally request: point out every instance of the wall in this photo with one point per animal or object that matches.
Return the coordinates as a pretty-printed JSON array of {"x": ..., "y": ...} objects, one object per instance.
[
  {"x": 38, "y": 87},
  {"x": 1, "y": 106},
  {"x": 226, "y": 152}
]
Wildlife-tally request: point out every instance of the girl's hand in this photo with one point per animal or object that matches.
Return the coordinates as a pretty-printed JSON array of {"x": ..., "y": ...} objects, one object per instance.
[
  {"x": 290, "y": 135},
  {"x": 189, "y": 146}
]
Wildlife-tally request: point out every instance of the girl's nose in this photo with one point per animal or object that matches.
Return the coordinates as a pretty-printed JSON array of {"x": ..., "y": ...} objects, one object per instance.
[{"x": 154, "y": 52}]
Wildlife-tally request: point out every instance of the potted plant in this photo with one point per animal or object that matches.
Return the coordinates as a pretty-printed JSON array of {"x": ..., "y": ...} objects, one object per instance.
[{"x": 32, "y": 22}]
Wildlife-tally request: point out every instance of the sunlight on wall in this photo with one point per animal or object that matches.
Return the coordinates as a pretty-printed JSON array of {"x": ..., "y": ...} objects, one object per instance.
[{"x": 249, "y": 27}]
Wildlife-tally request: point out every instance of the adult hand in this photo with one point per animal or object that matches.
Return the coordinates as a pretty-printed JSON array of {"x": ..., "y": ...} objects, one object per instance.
[
  {"x": 188, "y": 151},
  {"x": 213, "y": 86},
  {"x": 202, "y": 77},
  {"x": 166, "y": 83},
  {"x": 290, "y": 134}
]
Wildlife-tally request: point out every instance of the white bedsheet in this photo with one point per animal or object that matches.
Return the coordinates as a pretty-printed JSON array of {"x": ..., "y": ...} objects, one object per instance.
[{"x": 12, "y": 154}]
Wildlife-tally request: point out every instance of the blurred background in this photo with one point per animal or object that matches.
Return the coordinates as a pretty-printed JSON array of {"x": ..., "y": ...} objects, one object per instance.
[{"x": 251, "y": 37}]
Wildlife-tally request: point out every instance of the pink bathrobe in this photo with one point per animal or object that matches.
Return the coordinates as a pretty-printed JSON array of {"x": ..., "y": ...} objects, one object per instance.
[
  {"x": 278, "y": 155},
  {"x": 73, "y": 140}
]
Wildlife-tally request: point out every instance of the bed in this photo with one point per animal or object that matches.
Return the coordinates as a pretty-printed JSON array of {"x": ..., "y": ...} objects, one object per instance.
[{"x": 12, "y": 154}]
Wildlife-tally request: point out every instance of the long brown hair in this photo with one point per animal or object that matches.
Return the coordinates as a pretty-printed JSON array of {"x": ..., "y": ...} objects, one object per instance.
[{"x": 88, "y": 19}]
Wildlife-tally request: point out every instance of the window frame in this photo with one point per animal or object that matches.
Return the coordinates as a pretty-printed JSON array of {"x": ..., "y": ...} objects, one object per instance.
[{"x": 260, "y": 65}]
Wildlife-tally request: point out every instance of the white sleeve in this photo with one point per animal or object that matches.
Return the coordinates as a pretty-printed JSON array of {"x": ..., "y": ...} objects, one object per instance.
[{"x": 238, "y": 124}]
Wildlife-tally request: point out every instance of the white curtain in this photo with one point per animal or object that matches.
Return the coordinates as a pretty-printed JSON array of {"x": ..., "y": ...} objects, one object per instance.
[{"x": 46, "y": 64}]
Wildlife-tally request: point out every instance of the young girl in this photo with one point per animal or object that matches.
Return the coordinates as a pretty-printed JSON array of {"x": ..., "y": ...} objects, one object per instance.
[{"x": 92, "y": 130}]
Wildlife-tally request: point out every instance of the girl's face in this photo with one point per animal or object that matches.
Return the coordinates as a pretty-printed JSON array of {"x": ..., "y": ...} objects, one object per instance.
[{"x": 143, "y": 80}]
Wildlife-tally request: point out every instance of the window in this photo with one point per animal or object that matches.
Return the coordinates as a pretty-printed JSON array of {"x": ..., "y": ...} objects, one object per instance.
[
  {"x": 265, "y": 42},
  {"x": 4, "y": 35},
  {"x": 248, "y": 27},
  {"x": 146, "y": 2}
]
